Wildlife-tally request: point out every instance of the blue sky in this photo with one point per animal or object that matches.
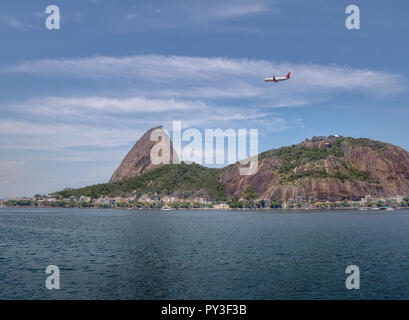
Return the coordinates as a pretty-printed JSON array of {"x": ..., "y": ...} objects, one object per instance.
[{"x": 73, "y": 101}]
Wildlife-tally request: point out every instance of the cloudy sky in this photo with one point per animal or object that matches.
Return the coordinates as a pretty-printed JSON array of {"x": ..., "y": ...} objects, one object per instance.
[{"x": 73, "y": 101}]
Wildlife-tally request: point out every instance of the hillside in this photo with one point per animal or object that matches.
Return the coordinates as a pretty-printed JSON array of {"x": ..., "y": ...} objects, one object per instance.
[
  {"x": 331, "y": 168},
  {"x": 322, "y": 168},
  {"x": 182, "y": 180}
]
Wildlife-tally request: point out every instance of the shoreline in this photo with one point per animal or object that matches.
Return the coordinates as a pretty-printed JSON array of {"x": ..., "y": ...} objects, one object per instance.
[{"x": 211, "y": 209}]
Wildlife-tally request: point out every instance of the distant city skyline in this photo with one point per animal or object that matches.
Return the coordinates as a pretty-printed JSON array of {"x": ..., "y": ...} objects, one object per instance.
[{"x": 73, "y": 101}]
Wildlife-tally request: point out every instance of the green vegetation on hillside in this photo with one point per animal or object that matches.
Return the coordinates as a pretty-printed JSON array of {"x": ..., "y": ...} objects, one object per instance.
[
  {"x": 301, "y": 154},
  {"x": 250, "y": 194},
  {"x": 304, "y": 160},
  {"x": 18, "y": 203},
  {"x": 186, "y": 179},
  {"x": 368, "y": 143}
]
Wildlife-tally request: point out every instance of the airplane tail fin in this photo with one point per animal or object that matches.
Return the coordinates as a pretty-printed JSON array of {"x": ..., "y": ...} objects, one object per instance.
[{"x": 288, "y": 75}]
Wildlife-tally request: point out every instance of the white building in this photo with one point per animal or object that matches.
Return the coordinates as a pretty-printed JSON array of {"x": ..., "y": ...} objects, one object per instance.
[
  {"x": 221, "y": 206},
  {"x": 84, "y": 199}
]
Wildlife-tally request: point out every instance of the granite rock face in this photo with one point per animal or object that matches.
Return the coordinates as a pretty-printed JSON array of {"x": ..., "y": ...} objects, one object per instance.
[
  {"x": 138, "y": 159},
  {"x": 333, "y": 169},
  {"x": 330, "y": 168}
]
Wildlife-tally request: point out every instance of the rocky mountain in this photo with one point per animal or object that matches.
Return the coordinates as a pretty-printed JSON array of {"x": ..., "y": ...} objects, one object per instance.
[
  {"x": 328, "y": 168},
  {"x": 138, "y": 160}
]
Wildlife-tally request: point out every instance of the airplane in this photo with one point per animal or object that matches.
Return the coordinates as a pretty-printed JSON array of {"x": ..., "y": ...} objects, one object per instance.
[{"x": 277, "y": 79}]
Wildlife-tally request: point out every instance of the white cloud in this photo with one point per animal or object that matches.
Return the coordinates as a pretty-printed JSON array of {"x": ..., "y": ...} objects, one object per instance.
[
  {"x": 228, "y": 9},
  {"x": 216, "y": 77},
  {"x": 202, "y": 92},
  {"x": 59, "y": 123},
  {"x": 148, "y": 90},
  {"x": 56, "y": 136},
  {"x": 16, "y": 24},
  {"x": 242, "y": 9},
  {"x": 130, "y": 15},
  {"x": 198, "y": 13},
  {"x": 77, "y": 106}
]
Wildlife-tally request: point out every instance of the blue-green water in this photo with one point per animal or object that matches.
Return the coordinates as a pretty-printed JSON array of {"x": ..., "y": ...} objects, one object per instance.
[{"x": 115, "y": 254}]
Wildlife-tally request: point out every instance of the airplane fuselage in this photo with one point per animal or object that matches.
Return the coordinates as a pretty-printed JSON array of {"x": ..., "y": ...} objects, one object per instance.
[{"x": 277, "y": 79}]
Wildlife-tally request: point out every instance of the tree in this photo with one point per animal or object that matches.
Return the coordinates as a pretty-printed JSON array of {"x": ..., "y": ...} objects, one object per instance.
[
  {"x": 276, "y": 204},
  {"x": 250, "y": 194}
]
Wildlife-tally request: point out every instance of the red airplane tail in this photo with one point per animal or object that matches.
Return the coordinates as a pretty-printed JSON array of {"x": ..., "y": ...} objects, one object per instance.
[{"x": 288, "y": 75}]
